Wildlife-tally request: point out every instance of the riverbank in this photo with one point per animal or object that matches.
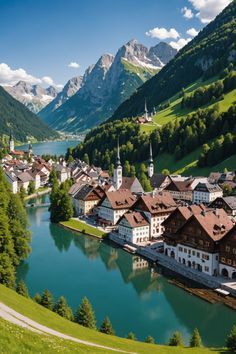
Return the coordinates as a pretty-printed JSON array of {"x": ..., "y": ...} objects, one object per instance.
[
  {"x": 38, "y": 193},
  {"x": 82, "y": 227},
  {"x": 36, "y": 315}
]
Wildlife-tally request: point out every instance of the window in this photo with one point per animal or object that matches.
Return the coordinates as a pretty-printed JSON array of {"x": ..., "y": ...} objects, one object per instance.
[
  {"x": 206, "y": 269},
  {"x": 198, "y": 254},
  {"x": 229, "y": 261},
  {"x": 227, "y": 248}
]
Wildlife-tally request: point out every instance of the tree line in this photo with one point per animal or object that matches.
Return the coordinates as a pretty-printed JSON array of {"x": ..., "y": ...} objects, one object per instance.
[
  {"x": 85, "y": 316},
  {"x": 179, "y": 137},
  {"x": 14, "y": 234},
  {"x": 209, "y": 94}
]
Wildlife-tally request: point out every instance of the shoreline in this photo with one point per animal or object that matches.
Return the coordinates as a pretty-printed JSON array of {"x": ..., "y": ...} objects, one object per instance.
[
  {"x": 74, "y": 229},
  {"x": 38, "y": 194}
]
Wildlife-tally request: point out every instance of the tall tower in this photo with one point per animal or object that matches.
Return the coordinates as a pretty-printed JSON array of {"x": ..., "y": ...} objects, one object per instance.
[
  {"x": 145, "y": 110},
  {"x": 118, "y": 170},
  {"x": 150, "y": 163},
  {"x": 11, "y": 143},
  {"x": 30, "y": 149}
]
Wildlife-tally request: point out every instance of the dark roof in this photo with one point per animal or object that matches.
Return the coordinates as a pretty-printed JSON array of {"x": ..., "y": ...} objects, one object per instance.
[
  {"x": 207, "y": 187},
  {"x": 157, "y": 180},
  {"x": 84, "y": 191},
  {"x": 231, "y": 201}
]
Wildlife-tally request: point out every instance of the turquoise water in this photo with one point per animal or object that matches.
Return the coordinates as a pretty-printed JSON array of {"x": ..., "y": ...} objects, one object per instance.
[
  {"x": 51, "y": 147},
  {"x": 142, "y": 301}
]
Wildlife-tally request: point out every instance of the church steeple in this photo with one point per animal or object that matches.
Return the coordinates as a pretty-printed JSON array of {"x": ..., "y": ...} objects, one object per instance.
[
  {"x": 150, "y": 163},
  {"x": 30, "y": 149},
  {"x": 145, "y": 110},
  {"x": 118, "y": 170},
  {"x": 11, "y": 142}
]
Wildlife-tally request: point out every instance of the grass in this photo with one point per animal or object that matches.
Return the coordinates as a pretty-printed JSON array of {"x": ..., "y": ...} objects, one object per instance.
[
  {"x": 188, "y": 164},
  {"x": 174, "y": 111},
  {"x": 15, "y": 340},
  {"x": 84, "y": 228}
]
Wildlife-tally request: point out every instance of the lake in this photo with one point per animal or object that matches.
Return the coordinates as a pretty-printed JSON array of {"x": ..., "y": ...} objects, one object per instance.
[
  {"x": 50, "y": 147},
  {"x": 135, "y": 296}
]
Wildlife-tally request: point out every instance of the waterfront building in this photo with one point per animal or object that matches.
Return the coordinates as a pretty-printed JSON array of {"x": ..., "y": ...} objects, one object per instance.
[
  {"x": 227, "y": 256},
  {"x": 133, "y": 227},
  {"x": 86, "y": 198},
  {"x": 195, "y": 244},
  {"x": 156, "y": 207},
  {"x": 11, "y": 143},
  {"x": 114, "y": 205},
  {"x": 206, "y": 193}
]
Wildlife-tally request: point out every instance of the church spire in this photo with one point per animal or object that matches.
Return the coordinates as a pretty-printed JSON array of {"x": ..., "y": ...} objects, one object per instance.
[
  {"x": 150, "y": 162},
  {"x": 118, "y": 170},
  {"x": 11, "y": 142},
  {"x": 118, "y": 163}
]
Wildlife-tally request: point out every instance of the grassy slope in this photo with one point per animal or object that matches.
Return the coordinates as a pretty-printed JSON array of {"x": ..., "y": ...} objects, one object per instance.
[
  {"x": 18, "y": 342},
  {"x": 174, "y": 111},
  {"x": 82, "y": 227}
]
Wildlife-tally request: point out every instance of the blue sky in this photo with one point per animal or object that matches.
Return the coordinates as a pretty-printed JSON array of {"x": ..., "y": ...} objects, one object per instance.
[{"x": 44, "y": 36}]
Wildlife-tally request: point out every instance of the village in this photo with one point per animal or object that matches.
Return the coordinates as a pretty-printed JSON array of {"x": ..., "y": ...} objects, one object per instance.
[{"x": 185, "y": 224}]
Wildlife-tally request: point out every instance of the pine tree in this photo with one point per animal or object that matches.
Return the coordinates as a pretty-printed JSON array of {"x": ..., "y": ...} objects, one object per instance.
[
  {"x": 231, "y": 340},
  {"x": 126, "y": 169},
  {"x": 131, "y": 336},
  {"x": 7, "y": 271},
  {"x": 62, "y": 309},
  {"x": 47, "y": 300},
  {"x": 195, "y": 340},
  {"x": 150, "y": 340},
  {"x": 22, "y": 289},
  {"x": 132, "y": 171},
  {"x": 176, "y": 340},
  {"x": 86, "y": 158},
  {"x": 85, "y": 314},
  {"x": 106, "y": 327},
  {"x": 37, "y": 298},
  {"x": 31, "y": 187},
  {"x": 22, "y": 193}
]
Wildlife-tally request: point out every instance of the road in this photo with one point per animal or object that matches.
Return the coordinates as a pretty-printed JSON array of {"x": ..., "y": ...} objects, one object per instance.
[{"x": 18, "y": 319}]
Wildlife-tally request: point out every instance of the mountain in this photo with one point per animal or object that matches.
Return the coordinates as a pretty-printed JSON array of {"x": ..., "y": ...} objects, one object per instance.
[
  {"x": 106, "y": 84},
  {"x": 18, "y": 119},
  {"x": 33, "y": 97},
  {"x": 194, "y": 128},
  {"x": 70, "y": 88},
  {"x": 208, "y": 53}
]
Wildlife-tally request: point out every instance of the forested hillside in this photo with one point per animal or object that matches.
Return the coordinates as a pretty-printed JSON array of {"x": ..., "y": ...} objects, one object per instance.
[
  {"x": 200, "y": 119},
  {"x": 23, "y": 124},
  {"x": 206, "y": 55}
]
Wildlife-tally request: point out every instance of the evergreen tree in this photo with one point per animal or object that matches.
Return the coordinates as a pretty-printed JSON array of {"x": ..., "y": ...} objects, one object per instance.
[
  {"x": 22, "y": 193},
  {"x": 31, "y": 187},
  {"x": 86, "y": 158},
  {"x": 85, "y": 314},
  {"x": 131, "y": 336},
  {"x": 106, "y": 327},
  {"x": 62, "y": 309},
  {"x": 231, "y": 340},
  {"x": 176, "y": 340},
  {"x": 22, "y": 289},
  {"x": 47, "y": 300},
  {"x": 61, "y": 207},
  {"x": 195, "y": 340},
  {"x": 37, "y": 298},
  {"x": 7, "y": 271},
  {"x": 53, "y": 180},
  {"x": 165, "y": 172},
  {"x": 126, "y": 169},
  {"x": 132, "y": 171},
  {"x": 150, "y": 340},
  {"x": 111, "y": 170}
]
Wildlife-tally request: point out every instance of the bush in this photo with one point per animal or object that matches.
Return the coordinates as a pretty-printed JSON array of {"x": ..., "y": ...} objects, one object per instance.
[
  {"x": 231, "y": 340},
  {"x": 195, "y": 340},
  {"x": 176, "y": 340},
  {"x": 131, "y": 336},
  {"x": 22, "y": 289},
  {"x": 150, "y": 340}
]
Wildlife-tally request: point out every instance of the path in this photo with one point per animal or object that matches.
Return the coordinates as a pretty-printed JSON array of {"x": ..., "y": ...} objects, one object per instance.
[{"x": 16, "y": 318}]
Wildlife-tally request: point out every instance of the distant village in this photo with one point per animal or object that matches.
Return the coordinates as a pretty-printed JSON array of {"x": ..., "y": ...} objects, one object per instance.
[{"x": 185, "y": 223}]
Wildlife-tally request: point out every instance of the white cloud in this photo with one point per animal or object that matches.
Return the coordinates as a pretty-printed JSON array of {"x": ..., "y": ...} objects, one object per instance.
[
  {"x": 187, "y": 13},
  {"x": 73, "y": 65},
  {"x": 207, "y": 10},
  {"x": 10, "y": 77},
  {"x": 48, "y": 80},
  {"x": 163, "y": 33},
  {"x": 180, "y": 43},
  {"x": 192, "y": 32}
]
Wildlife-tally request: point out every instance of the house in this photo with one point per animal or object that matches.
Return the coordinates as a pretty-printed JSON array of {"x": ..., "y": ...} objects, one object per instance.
[
  {"x": 180, "y": 190},
  {"x": 133, "y": 227},
  {"x": 114, "y": 205},
  {"x": 86, "y": 198},
  {"x": 227, "y": 255},
  {"x": 63, "y": 172},
  {"x": 226, "y": 203},
  {"x": 37, "y": 179},
  {"x": 24, "y": 179},
  {"x": 206, "y": 193},
  {"x": 159, "y": 181},
  {"x": 12, "y": 179},
  {"x": 196, "y": 243},
  {"x": 156, "y": 207},
  {"x": 132, "y": 184}
]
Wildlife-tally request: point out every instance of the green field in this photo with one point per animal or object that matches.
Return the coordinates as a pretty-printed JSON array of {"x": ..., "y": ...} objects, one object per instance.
[
  {"x": 17, "y": 340},
  {"x": 174, "y": 111},
  {"x": 80, "y": 226},
  {"x": 188, "y": 164}
]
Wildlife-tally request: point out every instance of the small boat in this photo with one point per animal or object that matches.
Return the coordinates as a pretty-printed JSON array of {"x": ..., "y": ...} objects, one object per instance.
[{"x": 129, "y": 248}]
